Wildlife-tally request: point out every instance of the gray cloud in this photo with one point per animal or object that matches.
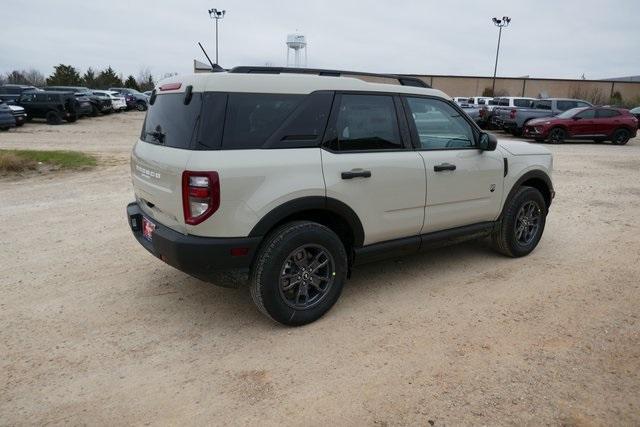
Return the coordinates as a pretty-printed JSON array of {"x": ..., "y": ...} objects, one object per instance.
[{"x": 547, "y": 38}]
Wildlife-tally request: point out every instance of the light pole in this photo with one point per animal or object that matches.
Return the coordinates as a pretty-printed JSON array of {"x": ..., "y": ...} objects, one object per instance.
[
  {"x": 217, "y": 15},
  {"x": 500, "y": 23}
]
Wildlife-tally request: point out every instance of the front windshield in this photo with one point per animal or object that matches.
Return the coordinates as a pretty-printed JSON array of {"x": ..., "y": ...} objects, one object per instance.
[{"x": 570, "y": 113}]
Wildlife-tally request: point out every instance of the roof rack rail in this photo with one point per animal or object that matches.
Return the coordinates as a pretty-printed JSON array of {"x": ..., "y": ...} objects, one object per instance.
[{"x": 403, "y": 80}]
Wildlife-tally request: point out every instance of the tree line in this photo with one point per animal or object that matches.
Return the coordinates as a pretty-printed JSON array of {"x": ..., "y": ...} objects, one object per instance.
[{"x": 68, "y": 75}]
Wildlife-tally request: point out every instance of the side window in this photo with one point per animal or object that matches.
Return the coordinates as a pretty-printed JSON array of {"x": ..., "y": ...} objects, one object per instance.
[
  {"x": 606, "y": 113},
  {"x": 542, "y": 105},
  {"x": 582, "y": 104},
  {"x": 566, "y": 105},
  {"x": 40, "y": 97},
  {"x": 481, "y": 102},
  {"x": 27, "y": 97},
  {"x": 439, "y": 125},
  {"x": 366, "y": 122},
  {"x": 587, "y": 114},
  {"x": 253, "y": 117},
  {"x": 521, "y": 102}
]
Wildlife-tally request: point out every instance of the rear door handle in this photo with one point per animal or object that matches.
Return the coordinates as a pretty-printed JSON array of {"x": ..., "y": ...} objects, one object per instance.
[
  {"x": 356, "y": 173},
  {"x": 444, "y": 167}
]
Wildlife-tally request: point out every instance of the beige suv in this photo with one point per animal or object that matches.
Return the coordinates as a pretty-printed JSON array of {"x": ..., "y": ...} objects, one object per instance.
[{"x": 297, "y": 175}]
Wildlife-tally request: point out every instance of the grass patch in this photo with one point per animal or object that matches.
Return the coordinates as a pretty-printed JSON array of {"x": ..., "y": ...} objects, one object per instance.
[{"x": 15, "y": 161}]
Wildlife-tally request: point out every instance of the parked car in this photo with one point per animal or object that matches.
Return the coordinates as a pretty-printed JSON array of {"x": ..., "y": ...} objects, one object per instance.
[
  {"x": 7, "y": 121},
  {"x": 486, "y": 113},
  {"x": 118, "y": 103},
  {"x": 19, "y": 114},
  {"x": 50, "y": 105},
  {"x": 479, "y": 101},
  {"x": 592, "y": 123},
  {"x": 297, "y": 180},
  {"x": 134, "y": 99},
  {"x": 148, "y": 92},
  {"x": 635, "y": 112},
  {"x": 518, "y": 118},
  {"x": 98, "y": 103},
  {"x": 505, "y": 105},
  {"x": 10, "y": 92},
  {"x": 461, "y": 100}
]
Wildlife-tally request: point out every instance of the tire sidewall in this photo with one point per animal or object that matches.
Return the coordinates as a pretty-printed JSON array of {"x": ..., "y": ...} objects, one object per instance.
[
  {"x": 615, "y": 136},
  {"x": 266, "y": 274},
  {"x": 523, "y": 195}
]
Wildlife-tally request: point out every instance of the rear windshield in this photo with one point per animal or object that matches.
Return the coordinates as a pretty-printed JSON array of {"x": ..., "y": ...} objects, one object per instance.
[
  {"x": 232, "y": 121},
  {"x": 171, "y": 123}
]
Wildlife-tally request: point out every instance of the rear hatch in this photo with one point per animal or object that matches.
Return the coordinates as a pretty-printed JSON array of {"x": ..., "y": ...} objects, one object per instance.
[{"x": 161, "y": 155}]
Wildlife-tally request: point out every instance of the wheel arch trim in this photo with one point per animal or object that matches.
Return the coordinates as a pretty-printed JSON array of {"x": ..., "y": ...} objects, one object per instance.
[
  {"x": 532, "y": 174},
  {"x": 302, "y": 204}
]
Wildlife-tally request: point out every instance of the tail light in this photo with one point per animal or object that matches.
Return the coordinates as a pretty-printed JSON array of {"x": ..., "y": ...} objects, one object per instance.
[
  {"x": 512, "y": 114},
  {"x": 482, "y": 112},
  {"x": 200, "y": 195}
]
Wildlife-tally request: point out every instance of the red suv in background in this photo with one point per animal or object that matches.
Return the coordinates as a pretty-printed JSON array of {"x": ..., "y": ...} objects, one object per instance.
[{"x": 594, "y": 123}]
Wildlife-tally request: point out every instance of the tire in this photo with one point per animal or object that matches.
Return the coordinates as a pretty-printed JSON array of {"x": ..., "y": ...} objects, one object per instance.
[
  {"x": 620, "y": 137},
  {"x": 71, "y": 118},
  {"x": 293, "y": 250},
  {"x": 94, "y": 111},
  {"x": 506, "y": 238},
  {"x": 141, "y": 106},
  {"x": 557, "y": 135},
  {"x": 53, "y": 118}
]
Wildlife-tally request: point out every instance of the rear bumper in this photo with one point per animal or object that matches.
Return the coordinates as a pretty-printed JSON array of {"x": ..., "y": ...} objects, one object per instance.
[{"x": 200, "y": 257}]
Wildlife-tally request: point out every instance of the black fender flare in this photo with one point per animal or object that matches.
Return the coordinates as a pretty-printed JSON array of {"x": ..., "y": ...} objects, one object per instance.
[
  {"x": 302, "y": 204},
  {"x": 534, "y": 174}
]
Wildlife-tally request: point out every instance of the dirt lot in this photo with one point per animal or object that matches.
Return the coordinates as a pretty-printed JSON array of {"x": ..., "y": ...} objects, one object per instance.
[{"x": 95, "y": 330}]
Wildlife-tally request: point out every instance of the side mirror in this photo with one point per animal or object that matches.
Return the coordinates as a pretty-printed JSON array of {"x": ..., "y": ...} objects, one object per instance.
[{"x": 488, "y": 142}]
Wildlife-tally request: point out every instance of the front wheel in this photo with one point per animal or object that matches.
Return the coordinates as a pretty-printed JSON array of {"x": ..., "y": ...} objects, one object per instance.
[
  {"x": 557, "y": 136},
  {"x": 620, "y": 137},
  {"x": 299, "y": 273},
  {"x": 522, "y": 224},
  {"x": 53, "y": 118},
  {"x": 141, "y": 106}
]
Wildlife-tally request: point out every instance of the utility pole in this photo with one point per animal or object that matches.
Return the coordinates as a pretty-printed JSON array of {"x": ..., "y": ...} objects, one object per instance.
[
  {"x": 500, "y": 23},
  {"x": 217, "y": 15}
]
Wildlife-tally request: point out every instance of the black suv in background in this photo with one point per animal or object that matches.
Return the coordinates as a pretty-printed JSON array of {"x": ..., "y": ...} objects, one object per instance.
[
  {"x": 134, "y": 98},
  {"x": 50, "y": 105},
  {"x": 9, "y": 93},
  {"x": 98, "y": 103}
]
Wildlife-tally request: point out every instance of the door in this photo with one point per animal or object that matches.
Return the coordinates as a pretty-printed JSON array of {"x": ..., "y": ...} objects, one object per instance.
[
  {"x": 607, "y": 121},
  {"x": 368, "y": 164},
  {"x": 583, "y": 123},
  {"x": 464, "y": 184}
]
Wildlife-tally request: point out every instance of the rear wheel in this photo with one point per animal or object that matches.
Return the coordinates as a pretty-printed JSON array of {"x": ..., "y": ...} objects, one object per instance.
[
  {"x": 53, "y": 118},
  {"x": 299, "y": 273},
  {"x": 557, "y": 135},
  {"x": 522, "y": 224},
  {"x": 72, "y": 118},
  {"x": 620, "y": 137},
  {"x": 141, "y": 106}
]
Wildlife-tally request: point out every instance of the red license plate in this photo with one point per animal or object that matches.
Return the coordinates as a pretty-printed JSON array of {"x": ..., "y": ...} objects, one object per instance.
[{"x": 147, "y": 228}]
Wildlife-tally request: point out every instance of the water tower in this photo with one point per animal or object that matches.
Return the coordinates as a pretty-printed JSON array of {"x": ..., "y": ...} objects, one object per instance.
[{"x": 297, "y": 43}]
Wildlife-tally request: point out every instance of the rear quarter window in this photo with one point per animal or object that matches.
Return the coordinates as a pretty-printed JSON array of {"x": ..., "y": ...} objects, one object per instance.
[
  {"x": 254, "y": 117},
  {"x": 171, "y": 123}
]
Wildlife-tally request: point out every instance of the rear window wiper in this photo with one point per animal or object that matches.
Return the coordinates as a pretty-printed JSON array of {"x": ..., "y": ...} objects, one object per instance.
[{"x": 157, "y": 136}]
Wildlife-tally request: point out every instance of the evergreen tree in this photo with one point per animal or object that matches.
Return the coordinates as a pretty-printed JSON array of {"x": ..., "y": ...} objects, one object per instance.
[
  {"x": 131, "y": 83},
  {"x": 89, "y": 78},
  {"x": 64, "y": 75},
  {"x": 108, "y": 78}
]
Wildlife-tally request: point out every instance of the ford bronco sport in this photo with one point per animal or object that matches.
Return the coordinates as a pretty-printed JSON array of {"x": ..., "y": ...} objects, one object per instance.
[{"x": 299, "y": 176}]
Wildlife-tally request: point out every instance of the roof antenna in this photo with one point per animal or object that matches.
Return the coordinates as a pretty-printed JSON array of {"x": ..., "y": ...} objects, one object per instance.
[{"x": 215, "y": 68}]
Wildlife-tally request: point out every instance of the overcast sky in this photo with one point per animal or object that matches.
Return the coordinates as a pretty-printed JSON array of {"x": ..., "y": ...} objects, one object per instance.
[{"x": 547, "y": 38}]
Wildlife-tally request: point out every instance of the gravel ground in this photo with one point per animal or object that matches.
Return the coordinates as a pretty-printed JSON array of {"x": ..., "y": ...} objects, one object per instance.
[{"x": 95, "y": 330}]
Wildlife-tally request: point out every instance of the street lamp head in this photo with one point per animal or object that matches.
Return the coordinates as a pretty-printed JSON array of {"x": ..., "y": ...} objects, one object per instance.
[
  {"x": 504, "y": 22},
  {"x": 216, "y": 14}
]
